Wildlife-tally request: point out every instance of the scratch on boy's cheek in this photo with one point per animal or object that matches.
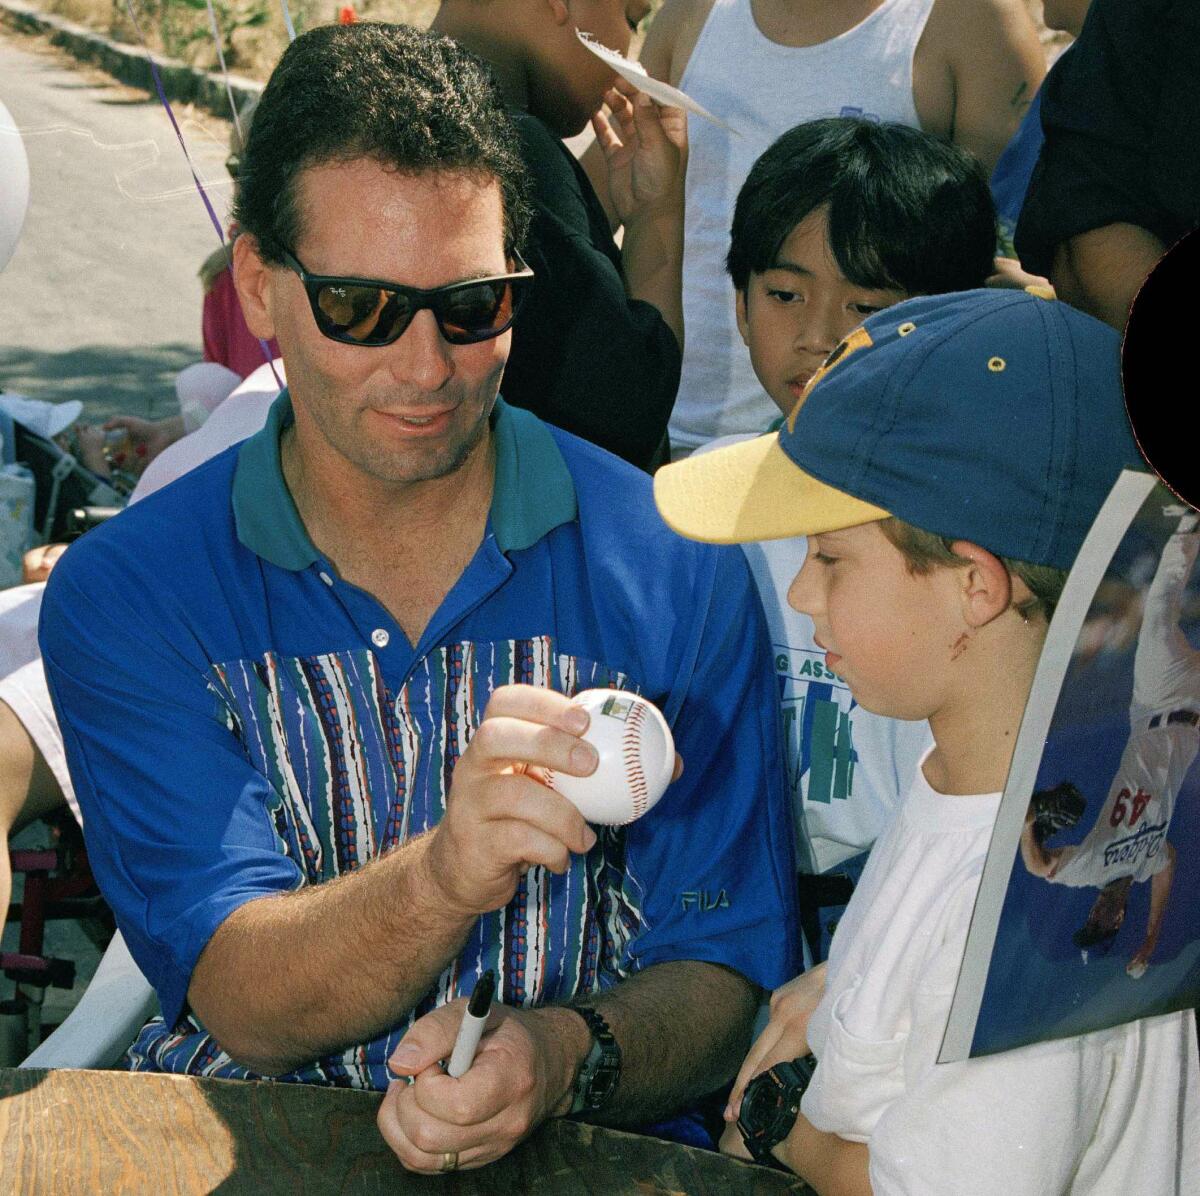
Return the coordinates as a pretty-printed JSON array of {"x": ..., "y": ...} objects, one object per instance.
[{"x": 959, "y": 646}]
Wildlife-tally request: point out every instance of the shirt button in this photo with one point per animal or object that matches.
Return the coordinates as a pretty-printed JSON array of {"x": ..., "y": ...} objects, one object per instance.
[
  {"x": 380, "y": 638},
  {"x": 326, "y": 578}
]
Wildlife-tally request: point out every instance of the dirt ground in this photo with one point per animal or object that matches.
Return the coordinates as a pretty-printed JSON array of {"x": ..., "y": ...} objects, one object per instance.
[{"x": 252, "y": 31}]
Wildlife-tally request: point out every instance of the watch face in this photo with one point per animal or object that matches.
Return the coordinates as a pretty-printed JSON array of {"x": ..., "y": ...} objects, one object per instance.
[
  {"x": 761, "y": 1101},
  {"x": 771, "y": 1104}
]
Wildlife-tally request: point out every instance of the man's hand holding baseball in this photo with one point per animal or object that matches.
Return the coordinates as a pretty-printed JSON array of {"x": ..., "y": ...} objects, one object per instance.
[
  {"x": 500, "y": 819},
  {"x": 522, "y": 1073}
]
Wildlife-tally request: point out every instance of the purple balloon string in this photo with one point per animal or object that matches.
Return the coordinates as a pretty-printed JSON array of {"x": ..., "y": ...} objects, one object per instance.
[{"x": 212, "y": 215}]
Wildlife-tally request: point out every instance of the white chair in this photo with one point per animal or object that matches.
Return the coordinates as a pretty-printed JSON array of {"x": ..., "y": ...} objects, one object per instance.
[{"x": 114, "y": 1007}]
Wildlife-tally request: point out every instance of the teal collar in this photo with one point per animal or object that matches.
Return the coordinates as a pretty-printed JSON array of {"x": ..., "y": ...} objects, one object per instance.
[{"x": 533, "y": 493}]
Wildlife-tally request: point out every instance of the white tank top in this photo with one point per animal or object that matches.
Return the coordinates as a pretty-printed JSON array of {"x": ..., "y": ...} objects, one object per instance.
[{"x": 762, "y": 89}]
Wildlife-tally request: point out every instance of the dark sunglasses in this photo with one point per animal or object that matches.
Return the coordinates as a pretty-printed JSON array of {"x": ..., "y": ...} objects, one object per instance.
[{"x": 366, "y": 311}]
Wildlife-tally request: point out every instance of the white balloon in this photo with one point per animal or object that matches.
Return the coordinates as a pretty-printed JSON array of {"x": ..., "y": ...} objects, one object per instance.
[
  {"x": 637, "y": 758},
  {"x": 14, "y": 185}
]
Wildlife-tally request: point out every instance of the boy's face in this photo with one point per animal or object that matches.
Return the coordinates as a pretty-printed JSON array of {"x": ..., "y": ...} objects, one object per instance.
[
  {"x": 793, "y": 315},
  {"x": 885, "y": 629},
  {"x": 570, "y": 84}
]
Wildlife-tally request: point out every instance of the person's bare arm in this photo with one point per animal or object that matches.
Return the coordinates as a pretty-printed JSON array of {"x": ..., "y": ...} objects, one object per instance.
[
  {"x": 665, "y": 52},
  {"x": 1038, "y": 860},
  {"x": 1160, "y": 894},
  {"x": 996, "y": 65},
  {"x": 28, "y": 789},
  {"x": 682, "y": 1027},
  {"x": 645, "y": 150},
  {"x": 672, "y": 37},
  {"x": 830, "y": 1165},
  {"x": 1101, "y": 271},
  {"x": 289, "y": 977}
]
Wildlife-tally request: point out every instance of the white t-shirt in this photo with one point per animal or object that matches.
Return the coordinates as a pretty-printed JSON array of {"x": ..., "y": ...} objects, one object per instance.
[
  {"x": 1113, "y": 1113},
  {"x": 763, "y": 89},
  {"x": 847, "y": 768}
]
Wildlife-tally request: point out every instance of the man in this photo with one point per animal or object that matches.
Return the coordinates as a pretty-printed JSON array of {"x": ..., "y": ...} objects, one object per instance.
[
  {"x": 1128, "y": 842},
  {"x": 1118, "y": 180},
  {"x": 309, "y": 784},
  {"x": 965, "y": 69}
]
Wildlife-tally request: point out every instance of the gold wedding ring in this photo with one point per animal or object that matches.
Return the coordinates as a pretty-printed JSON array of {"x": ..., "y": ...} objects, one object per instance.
[{"x": 449, "y": 1160}]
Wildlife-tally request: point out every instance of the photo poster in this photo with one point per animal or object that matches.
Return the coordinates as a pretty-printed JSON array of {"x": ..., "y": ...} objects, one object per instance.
[{"x": 1088, "y": 913}]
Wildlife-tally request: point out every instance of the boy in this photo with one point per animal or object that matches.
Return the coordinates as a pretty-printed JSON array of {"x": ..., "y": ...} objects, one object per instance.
[
  {"x": 839, "y": 219},
  {"x": 963, "y": 69},
  {"x": 597, "y": 348},
  {"x": 946, "y": 463}
]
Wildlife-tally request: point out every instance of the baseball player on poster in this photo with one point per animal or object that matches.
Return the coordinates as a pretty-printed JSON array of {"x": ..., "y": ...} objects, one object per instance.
[{"x": 1128, "y": 843}]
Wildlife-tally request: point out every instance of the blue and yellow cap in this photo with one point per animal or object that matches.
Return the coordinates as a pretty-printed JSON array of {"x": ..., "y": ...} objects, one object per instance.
[{"x": 990, "y": 416}]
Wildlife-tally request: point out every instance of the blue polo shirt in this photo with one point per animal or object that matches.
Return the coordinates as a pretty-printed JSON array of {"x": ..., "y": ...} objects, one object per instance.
[{"x": 240, "y": 721}]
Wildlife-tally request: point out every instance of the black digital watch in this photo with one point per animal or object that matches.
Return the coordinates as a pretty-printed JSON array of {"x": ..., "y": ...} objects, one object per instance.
[
  {"x": 601, "y": 1070},
  {"x": 770, "y": 1106}
]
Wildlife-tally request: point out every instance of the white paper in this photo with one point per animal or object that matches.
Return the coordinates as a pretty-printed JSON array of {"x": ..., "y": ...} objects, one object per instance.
[{"x": 656, "y": 89}]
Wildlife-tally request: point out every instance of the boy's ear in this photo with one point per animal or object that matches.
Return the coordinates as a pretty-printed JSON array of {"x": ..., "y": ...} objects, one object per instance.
[
  {"x": 253, "y": 280},
  {"x": 559, "y": 11},
  {"x": 743, "y": 321},
  {"x": 986, "y": 586}
]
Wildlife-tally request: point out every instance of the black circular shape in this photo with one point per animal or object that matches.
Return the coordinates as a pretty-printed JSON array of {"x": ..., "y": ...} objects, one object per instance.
[{"x": 1158, "y": 368}]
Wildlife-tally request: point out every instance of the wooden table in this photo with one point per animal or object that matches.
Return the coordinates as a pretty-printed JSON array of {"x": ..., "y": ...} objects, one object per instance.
[{"x": 99, "y": 1133}]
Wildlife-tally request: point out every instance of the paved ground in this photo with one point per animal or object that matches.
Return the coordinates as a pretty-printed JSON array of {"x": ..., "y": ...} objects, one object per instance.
[
  {"x": 63, "y": 940},
  {"x": 101, "y": 301}
]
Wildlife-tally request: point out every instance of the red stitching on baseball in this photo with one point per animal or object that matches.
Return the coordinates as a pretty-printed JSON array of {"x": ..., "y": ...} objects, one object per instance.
[{"x": 632, "y": 751}]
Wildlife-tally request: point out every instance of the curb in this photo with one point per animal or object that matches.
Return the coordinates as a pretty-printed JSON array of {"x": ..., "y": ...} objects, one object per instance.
[{"x": 181, "y": 82}]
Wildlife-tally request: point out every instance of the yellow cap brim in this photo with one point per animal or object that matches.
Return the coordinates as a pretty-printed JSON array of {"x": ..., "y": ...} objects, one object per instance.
[{"x": 752, "y": 491}]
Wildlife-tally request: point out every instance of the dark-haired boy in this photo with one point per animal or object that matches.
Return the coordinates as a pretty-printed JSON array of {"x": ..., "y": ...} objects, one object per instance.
[
  {"x": 839, "y": 219},
  {"x": 599, "y": 350},
  {"x": 946, "y": 466}
]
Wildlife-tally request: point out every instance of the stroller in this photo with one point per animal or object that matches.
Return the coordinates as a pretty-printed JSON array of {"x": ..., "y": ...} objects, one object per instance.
[{"x": 46, "y": 494}]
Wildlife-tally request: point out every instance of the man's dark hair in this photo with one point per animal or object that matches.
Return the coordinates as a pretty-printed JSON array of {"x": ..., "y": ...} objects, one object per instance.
[
  {"x": 1106, "y": 916},
  {"x": 413, "y": 101},
  {"x": 907, "y": 210}
]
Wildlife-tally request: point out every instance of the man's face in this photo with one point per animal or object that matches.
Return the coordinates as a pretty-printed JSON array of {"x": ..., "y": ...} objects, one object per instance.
[
  {"x": 413, "y": 410},
  {"x": 574, "y": 81},
  {"x": 1108, "y": 911},
  {"x": 794, "y": 314},
  {"x": 883, "y": 628}
]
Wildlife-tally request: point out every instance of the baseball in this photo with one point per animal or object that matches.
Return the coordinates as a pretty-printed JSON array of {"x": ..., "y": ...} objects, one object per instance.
[{"x": 637, "y": 758}]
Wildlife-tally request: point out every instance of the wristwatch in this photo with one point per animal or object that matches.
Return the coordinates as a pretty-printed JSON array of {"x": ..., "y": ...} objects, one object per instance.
[
  {"x": 770, "y": 1106},
  {"x": 598, "y": 1077}
]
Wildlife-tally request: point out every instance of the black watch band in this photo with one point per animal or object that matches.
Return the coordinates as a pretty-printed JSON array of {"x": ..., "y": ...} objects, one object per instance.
[
  {"x": 601, "y": 1070},
  {"x": 770, "y": 1106}
]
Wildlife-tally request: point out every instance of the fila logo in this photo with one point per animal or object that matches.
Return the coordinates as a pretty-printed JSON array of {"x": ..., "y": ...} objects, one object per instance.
[{"x": 703, "y": 901}]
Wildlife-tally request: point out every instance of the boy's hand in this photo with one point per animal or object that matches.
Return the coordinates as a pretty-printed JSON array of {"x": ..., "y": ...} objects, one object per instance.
[
  {"x": 733, "y": 1144},
  {"x": 645, "y": 146},
  {"x": 144, "y": 439},
  {"x": 37, "y": 562},
  {"x": 1009, "y": 275},
  {"x": 785, "y": 1036}
]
